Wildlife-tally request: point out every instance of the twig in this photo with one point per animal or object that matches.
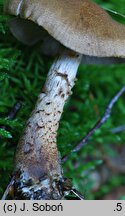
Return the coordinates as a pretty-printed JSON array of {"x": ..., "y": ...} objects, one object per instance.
[
  {"x": 77, "y": 194},
  {"x": 8, "y": 189},
  {"x": 14, "y": 111},
  {"x": 12, "y": 114},
  {"x": 114, "y": 12},
  {"x": 118, "y": 129},
  {"x": 100, "y": 122}
]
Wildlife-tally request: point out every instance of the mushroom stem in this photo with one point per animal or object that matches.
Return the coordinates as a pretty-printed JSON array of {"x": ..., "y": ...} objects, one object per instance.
[{"x": 38, "y": 172}]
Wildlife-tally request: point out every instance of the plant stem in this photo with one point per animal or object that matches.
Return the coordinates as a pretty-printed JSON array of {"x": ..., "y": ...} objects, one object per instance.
[{"x": 38, "y": 172}]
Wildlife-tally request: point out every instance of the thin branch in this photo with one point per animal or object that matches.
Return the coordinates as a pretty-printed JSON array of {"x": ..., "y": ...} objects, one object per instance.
[
  {"x": 14, "y": 111},
  {"x": 118, "y": 129},
  {"x": 77, "y": 194},
  {"x": 114, "y": 12},
  {"x": 8, "y": 189},
  {"x": 12, "y": 114},
  {"x": 100, "y": 122}
]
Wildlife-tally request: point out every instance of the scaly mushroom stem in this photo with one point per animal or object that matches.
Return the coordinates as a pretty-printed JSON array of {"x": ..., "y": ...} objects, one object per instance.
[{"x": 38, "y": 173}]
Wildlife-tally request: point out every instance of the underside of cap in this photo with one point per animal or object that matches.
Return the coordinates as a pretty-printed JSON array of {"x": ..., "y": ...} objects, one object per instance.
[
  {"x": 26, "y": 31},
  {"x": 79, "y": 25}
]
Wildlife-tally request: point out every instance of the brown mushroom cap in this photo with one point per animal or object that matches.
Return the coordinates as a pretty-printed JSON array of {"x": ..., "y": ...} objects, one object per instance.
[{"x": 80, "y": 25}]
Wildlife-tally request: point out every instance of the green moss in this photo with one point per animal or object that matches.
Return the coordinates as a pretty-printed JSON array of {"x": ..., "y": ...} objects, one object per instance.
[{"x": 22, "y": 75}]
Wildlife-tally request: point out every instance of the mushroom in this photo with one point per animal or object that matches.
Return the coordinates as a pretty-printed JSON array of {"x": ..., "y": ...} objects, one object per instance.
[{"x": 82, "y": 28}]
